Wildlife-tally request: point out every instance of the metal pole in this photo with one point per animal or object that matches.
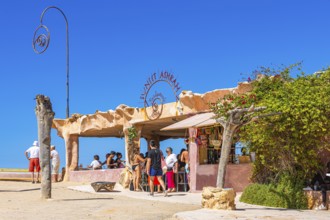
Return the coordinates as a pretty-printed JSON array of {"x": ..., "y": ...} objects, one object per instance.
[{"x": 40, "y": 44}]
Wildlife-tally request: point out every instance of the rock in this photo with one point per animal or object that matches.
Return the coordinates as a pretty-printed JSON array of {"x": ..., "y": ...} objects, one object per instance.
[
  {"x": 207, "y": 193},
  {"x": 125, "y": 178},
  {"x": 217, "y": 198},
  {"x": 215, "y": 190}
]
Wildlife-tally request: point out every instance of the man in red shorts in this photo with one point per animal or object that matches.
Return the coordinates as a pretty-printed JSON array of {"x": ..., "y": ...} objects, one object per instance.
[{"x": 32, "y": 154}]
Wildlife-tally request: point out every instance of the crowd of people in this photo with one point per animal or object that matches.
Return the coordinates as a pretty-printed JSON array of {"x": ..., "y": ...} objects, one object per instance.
[
  {"x": 155, "y": 165},
  {"x": 113, "y": 160}
]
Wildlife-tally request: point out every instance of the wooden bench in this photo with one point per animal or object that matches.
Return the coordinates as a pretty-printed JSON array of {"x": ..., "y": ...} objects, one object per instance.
[{"x": 105, "y": 186}]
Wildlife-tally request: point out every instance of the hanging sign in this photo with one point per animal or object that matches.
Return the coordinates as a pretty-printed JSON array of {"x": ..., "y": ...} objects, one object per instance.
[{"x": 156, "y": 100}]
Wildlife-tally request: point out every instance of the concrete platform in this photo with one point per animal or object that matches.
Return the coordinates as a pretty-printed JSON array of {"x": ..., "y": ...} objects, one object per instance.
[
  {"x": 177, "y": 197},
  {"x": 244, "y": 211},
  {"x": 253, "y": 212}
]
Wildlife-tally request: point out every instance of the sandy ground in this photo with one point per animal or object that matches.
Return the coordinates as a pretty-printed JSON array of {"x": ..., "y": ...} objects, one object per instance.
[
  {"x": 243, "y": 212},
  {"x": 21, "y": 200}
]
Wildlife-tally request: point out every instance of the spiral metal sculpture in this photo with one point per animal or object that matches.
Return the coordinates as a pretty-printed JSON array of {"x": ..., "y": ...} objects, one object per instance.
[
  {"x": 157, "y": 101},
  {"x": 40, "y": 43},
  {"x": 41, "y": 40}
]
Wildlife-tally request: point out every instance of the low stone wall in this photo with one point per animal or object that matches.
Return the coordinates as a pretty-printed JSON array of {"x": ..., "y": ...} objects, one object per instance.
[
  {"x": 237, "y": 176},
  {"x": 216, "y": 198},
  {"x": 314, "y": 199},
  {"x": 107, "y": 175},
  {"x": 25, "y": 176}
]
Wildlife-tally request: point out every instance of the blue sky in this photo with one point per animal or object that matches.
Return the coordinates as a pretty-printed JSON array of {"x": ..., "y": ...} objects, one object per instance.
[{"x": 116, "y": 45}]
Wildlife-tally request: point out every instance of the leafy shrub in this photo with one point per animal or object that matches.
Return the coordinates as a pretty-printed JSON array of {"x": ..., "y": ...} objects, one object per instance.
[
  {"x": 291, "y": 141},
  {"x": 287, "y": 193}
]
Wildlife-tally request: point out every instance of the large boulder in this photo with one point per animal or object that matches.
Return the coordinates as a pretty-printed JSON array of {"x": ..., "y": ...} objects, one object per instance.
[{"x": 217, "y": 198}]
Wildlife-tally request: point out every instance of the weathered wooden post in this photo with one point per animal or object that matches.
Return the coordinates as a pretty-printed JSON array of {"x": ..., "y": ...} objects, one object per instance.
[{"x": 45, "y": 116}]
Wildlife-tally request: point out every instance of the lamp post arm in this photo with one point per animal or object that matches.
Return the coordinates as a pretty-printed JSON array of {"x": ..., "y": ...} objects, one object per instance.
[{"x": 67, "y": 53}]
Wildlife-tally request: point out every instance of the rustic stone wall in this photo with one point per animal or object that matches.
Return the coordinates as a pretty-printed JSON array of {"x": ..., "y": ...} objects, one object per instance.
[
  {"x": 125, "y": 178},
  {"x": 217, "y": 198}
]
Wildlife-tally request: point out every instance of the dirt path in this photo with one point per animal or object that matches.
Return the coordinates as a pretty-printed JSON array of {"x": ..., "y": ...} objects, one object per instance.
[{"x": 21, "y": 200}]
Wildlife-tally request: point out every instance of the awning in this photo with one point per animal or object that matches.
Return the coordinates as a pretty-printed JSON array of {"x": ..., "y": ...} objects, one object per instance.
[{"x": 200, "y": 120}]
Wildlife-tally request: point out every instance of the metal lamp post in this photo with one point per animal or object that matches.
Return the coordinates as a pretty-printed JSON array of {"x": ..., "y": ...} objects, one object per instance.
[{"x": 40, "y": 44}]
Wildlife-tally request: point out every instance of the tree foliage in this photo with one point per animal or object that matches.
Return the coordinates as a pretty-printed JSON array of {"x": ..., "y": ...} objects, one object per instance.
[
  {"x": 232, "y": 101},
  {"x": 291, "y": 141}
]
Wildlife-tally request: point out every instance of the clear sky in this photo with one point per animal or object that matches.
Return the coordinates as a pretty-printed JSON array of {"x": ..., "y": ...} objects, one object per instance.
[{"x": 116, "y": 45}]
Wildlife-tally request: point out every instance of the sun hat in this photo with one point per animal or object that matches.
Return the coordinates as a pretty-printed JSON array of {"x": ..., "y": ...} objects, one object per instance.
[{"x": 36, "y": 143}]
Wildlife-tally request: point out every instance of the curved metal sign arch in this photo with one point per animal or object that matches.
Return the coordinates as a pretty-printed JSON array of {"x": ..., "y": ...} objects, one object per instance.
[{"x": 156, "y": 101}]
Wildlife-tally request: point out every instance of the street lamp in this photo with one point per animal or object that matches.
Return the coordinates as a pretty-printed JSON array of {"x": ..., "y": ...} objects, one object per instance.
[{"x": 40, "y": 44}]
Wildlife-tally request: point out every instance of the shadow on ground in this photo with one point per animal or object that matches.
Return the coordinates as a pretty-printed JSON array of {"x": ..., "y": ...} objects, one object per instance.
[
  {"x": 86, "y": 199},
  {"x": 22, "y": 190}
]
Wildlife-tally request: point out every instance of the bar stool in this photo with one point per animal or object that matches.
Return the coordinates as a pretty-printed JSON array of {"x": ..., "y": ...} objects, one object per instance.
[
  {"x": 185, "y": 181},
  {"x": 144, "y": 185}
]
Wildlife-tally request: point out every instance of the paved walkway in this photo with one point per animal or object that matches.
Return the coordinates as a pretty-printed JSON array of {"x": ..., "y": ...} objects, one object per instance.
[
  {"x": 253, "y": 212},
  {"x": 180, "y": 197},
  {"x": 244, "y": 211}
]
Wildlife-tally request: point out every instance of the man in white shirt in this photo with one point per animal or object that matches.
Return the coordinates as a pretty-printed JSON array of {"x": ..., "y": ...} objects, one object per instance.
[
  {"x": 32, "y": 154},
  {"x": 96, "y": 164},
  {"x": 55, "y": 162}
]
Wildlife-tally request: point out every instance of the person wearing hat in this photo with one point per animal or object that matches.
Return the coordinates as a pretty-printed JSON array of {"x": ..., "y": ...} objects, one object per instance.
[
  {"x": 55, "y": 162},
  {"x": 32, "y": 154}
]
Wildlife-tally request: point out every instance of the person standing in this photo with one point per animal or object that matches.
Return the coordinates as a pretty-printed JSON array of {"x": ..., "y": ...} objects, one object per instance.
[
  {"x": 106, "y": 159},
  {"x": 185, "y": 159},
  {"x": 181, "y": 166},
  {"x": 55, "y": 162},
  {"x": 32, "y": 154},
  {"x": 111, "y": 161},
  {"x": 136, "y": 167},
  {"x": 119, "y": 162},
  {"x": 154, "y": 167},
  {"x": 171, "y": 163}
]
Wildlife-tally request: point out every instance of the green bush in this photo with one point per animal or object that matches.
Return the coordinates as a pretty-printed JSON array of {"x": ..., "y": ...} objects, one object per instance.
[{"x": 287, "y": 193}]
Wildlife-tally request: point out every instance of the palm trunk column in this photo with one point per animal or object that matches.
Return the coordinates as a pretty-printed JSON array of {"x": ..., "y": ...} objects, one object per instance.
[{"x": 45, "y": 116}]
